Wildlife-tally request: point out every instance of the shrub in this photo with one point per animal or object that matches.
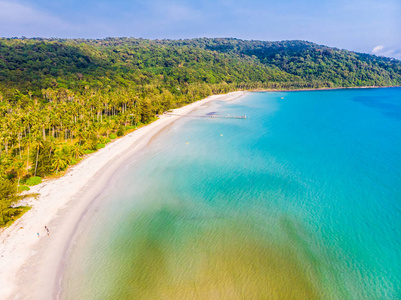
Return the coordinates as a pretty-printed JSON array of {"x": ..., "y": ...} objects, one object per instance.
[
  {"x": 25, "y": 178},
  {"x": 23, "y": 188},
  {"x": 100, "y": 146},
  {"x": 10, "y": 214},
  {"x": 89, "y": 151},
  {"x": 65, "y": 150},
  {"x": 120, "y": 131},
  {"x": 113, "y": 136},
  {"x": 34, "y": 180}
]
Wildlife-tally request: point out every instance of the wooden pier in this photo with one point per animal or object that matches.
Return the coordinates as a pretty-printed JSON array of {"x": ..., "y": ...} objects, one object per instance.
[{"x": 208, "y": 116}]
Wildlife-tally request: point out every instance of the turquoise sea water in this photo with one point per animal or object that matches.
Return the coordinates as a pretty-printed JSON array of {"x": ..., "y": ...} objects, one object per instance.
[{"x": 300, "y": 200}]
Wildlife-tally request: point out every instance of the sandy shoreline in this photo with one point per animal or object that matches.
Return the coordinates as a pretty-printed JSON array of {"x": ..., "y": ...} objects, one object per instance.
[{"x": 30, "y": 266}]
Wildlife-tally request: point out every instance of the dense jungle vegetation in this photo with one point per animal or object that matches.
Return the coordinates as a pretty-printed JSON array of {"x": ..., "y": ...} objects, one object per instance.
[{"x": 62, "y": 99}]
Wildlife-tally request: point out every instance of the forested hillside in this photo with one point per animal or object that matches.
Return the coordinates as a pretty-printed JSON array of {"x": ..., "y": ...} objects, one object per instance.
[
  {"x": 61, "y": 99},
  {"x": 312, "y": 62}
]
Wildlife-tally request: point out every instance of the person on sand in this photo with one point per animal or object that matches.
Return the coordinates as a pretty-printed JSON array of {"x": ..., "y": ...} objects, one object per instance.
[
  {"x": 38, "y": 234},
  {"x": 47, "y": 230}
]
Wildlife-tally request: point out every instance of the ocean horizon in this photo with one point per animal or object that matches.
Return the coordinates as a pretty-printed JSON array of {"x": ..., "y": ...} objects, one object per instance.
[{"x": 300, "y": 199}]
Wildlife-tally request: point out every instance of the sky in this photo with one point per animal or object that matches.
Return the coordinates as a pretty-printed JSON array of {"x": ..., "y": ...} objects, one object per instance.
[{"x": 370, "y": 26}]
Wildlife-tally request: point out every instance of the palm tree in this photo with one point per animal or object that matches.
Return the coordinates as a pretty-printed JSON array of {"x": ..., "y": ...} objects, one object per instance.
[
  {"x": 27, "y": 143},
  {"x": 60, "y": 161},
  {"x": 18, "y": 166},
  {"x": 38, "y": 144},
  {"x": 76, "y": 151}
]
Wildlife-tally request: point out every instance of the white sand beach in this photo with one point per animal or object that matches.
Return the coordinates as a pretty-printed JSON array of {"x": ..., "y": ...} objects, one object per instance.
[{"x": 30, "y": 266}]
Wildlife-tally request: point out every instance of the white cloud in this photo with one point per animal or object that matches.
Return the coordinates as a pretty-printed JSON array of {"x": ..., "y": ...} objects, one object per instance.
[
  {"x": 380, "y": 50},
  {"x": 17, "y": 19},
  {"x": 377, "y": 49},
  {"x": 16, "y": 13}
]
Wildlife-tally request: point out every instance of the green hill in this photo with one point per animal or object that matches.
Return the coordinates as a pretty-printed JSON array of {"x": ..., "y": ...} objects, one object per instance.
[
  {"x": 311, "y": 62},
  {"x": 38, "y": 64}
]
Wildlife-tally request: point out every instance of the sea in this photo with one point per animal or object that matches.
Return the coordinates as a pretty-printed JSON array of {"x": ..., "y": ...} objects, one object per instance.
[{"x": 300, "y": 200}]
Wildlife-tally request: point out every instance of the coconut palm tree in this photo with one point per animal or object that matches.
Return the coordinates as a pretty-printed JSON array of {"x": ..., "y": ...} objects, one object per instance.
[
  {"x": 60, "y": 161},
  {"x": 38, "y": 144},
  {"x": 76, "y": 151},
  {"x": 27, "y": 142},
  {"x": 18, "y": 167}
]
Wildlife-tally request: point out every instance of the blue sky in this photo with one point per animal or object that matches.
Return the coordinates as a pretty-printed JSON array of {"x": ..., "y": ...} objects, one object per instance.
[{"x": 371, "y": 26}]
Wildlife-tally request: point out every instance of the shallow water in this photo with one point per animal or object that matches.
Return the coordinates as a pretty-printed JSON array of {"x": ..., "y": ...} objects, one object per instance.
[{"x": 300, "y": 200}]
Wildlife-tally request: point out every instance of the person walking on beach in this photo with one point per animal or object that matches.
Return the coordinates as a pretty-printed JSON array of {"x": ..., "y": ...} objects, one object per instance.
[
  {"x": 38, "y": 234},
  {"x": 47, "y": 230}
]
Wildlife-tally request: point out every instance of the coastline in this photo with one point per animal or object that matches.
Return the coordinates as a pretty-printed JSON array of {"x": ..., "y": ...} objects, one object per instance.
[
  {"x": 326, "y": 88},
  {"x": 31, "y": 266}
]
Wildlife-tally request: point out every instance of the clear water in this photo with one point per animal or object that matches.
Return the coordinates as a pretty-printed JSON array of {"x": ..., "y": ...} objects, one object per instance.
[{"x": 302, "y": 200}]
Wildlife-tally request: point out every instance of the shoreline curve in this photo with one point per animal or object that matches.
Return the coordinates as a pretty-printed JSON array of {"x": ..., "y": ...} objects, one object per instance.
[{"x": 31, "y": 267}]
